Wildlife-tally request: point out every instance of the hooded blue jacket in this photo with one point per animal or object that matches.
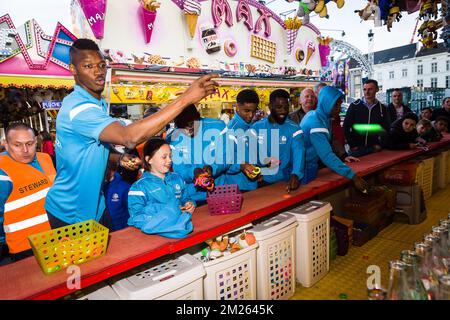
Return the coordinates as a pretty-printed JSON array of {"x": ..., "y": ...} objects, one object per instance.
[
  {"x": 284, "y": 142},
  {"x": 237, "y": 141},
  {"x": 316, "y": 127},
  {"x": 205, "y": 148},
  {"x": 154, "y": 205}
]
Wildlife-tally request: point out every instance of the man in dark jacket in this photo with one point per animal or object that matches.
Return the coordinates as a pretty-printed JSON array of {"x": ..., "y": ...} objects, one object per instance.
[
  {"x": 396, "y": 108},
  {"x": 367, "y": 110},
  {"x": 442, "y": 112}
]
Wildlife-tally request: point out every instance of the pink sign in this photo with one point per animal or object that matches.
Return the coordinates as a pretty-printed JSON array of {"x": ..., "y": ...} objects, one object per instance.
[
  {"x": 148, "y": 23},
  {"x": 94, "y": 11}
]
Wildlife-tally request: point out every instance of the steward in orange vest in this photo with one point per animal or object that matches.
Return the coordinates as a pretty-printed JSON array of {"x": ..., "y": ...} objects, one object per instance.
[{"x": 24, "y": 212}]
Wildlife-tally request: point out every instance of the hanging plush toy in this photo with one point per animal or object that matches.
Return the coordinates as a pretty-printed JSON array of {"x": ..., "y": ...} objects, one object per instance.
[
  {"x": 370, "y": 12},
  {"x": 394, "y": 14},
  {"x": 304, "y": 9},
  {"x": 428, "y": 8},
  {"x": 321, "y": 7}
]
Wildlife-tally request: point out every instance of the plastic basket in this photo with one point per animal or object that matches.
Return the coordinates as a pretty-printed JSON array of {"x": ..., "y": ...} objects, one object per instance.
[
  {"x": 427, "y": 177},
  {"x": 312, "y": 241},
  {"x": 175, "y": 279},
  {"x": 445, "y": 178},
  {"x": 73, "y": 244},
  {"x": 439, "y": 168},
  {"x": 224, "y": 199},
  {"x": 276, "y": 257},
  {"x": 231, "y": 277}
]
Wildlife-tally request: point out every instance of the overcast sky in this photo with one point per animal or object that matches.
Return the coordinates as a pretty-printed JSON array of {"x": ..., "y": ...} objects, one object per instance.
[{"x": 48, "y": 12}]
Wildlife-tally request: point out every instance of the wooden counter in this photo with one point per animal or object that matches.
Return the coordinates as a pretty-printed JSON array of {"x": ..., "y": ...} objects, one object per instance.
[{"x": 130, "y": 247}]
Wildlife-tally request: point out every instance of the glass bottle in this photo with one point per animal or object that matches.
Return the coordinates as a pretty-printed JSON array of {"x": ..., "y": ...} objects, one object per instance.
[
  {"x": 429, "y": 279},
  {"x": 446, "y": 224},
  {"x": 444, "y": 287},
  {"x": 398, "y": 285},
  {"x": 438, "y": 267},
  {"x": 415, "y": 284}
]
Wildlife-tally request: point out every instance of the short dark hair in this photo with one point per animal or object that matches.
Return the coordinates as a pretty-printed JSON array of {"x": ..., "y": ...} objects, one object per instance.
[
  {"x": 441, "y": 118},
  {"x": 45, "y": 135},
  {"x": 151, "y": 147},
  {"x": 411, "y": 115},
  {"x": 368, "y": 81},
  {"x": 279, "y": 93},
  {"x": 18, "y": 126},
  {"x": 247, "y": 96},
  {"x": 427, "y": 108},
  {"x": 320, "y": 85},
  {"x": 190, "y": 113},
  {"x": 443, "y": 100},
  {"x": 82, "y": 44}
]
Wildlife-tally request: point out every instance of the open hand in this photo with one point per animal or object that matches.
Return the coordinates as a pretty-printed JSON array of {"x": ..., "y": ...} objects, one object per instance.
[
  {"x": 189, "y": 207},
  {"x": 130, "y": 162},
  {"x": 293, "y": 183},
  {"x": 201, "y": 88}
]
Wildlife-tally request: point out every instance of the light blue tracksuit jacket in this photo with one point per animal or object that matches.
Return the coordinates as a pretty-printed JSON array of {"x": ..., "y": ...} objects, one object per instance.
[
  {"x": 316, "y": 126},
  {"x": 237, "y": 153},
  {"x": 154, "y": 205},
  {"x": 284, "y": 142},
  {"x": 205, "y": 148}
]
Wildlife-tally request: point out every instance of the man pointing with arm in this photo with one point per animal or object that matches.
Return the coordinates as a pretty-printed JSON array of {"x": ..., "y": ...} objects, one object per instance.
[{"x": 85, "y": 132}]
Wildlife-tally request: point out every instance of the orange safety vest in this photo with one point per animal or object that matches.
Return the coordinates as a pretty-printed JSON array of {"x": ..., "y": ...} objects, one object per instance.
[{"x": 24, "y": 209}]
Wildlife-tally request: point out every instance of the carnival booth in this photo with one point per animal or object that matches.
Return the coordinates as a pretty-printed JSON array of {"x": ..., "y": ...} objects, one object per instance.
[
  {"x": 34, "y": 71},
  {"x": 169, "y": 44}
]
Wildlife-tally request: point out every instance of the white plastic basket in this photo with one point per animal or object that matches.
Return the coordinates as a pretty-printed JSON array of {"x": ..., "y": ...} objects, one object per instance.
[
  {"x": 439, "y": 168},
  {"x": 275, "y": 257},
  {"x": 99, "y": 291},
  {"x": 312, "y": 241},
  {"x": 175, "y": 279},
  {"x": 231, "y": 277}
]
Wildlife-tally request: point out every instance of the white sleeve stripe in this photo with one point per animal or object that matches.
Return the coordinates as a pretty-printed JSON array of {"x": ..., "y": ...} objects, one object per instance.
[
  {"x": 317, "y": 130},
  {"x": 75, "y": 111},
  {"x": 136, "y": 193},
  {"x": 296, "y": 133},
  {"x": 223, "y": 131},
  {"x": 5, "y": 178}
]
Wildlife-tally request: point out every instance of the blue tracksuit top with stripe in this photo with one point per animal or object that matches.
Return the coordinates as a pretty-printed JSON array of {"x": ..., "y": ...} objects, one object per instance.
[
  {"x": 205, "y": 148},
  {"x": 281, "y": 141},
  {"x": 236, "y": 153},
  {"x": 316, "y": 126}
]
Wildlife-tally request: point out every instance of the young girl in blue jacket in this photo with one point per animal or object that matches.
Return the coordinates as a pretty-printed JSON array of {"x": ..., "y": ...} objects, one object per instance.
[{"x": 158, "y": 201}]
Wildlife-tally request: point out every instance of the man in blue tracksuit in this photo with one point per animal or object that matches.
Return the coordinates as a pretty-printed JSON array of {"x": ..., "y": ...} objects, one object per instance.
[
  {"x": 316, "y": 126},
  {"x": 278, "y": 141},
  {"x": 197, "y": 146},
  {"x": 156, "y": 205},
  {"x": 237, "y": 141}
]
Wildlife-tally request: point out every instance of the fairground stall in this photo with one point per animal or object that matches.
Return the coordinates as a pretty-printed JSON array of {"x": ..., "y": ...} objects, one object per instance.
[{"x": 34, "y": 72}]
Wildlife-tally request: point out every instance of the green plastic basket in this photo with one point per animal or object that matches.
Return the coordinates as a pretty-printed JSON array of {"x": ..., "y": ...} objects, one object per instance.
[{"x": 59, "y": 248}]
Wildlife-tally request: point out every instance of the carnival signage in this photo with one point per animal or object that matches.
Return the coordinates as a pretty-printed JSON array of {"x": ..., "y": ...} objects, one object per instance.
[{"x": 51, "y": 104}]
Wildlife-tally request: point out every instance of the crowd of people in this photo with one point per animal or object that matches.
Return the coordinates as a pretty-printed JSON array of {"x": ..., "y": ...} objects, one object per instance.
[{"x": 163, "y": 174}]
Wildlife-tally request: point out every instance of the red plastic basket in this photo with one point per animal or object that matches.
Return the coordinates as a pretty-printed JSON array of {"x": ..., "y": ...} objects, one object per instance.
[{"x": 224, "y": 199}]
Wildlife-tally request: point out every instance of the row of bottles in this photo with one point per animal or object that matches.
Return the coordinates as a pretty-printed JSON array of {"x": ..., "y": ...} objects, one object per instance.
[{"x": 422, "y": 273}]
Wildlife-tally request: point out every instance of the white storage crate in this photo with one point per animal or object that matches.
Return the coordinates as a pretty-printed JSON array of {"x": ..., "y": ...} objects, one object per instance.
[
  {"x": 232, "y": 276},
  {"x": 99, "y": 291},
  {"x": 275, "y": 257},
  {"x": 444, "y": 179},
  {"x": 176, "y": 279},
  {"x": 312, "y": 241}
]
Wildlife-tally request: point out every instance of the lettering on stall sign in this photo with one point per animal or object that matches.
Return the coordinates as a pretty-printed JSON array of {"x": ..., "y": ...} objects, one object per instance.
[
  {"x": 374, "y": 280},
  {"x": 219, "y": 93},
  {"x": 73, "y": 281},
  {"x": 33, "y": 186},
  {"x": 221, "y": 8},
  {"x": 98, "y": 16}
]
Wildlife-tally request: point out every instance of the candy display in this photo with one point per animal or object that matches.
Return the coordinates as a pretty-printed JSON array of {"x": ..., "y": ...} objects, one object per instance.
[
  {"x": 227, "y": 244},
  {"x": 148, "y": 15},
  {"x": 192, "y": 10},
  {"x": 230, "y": 48},
  {"x": 193, "y": 63},
  {"x": 263, "y": 49},
  {"x": 292, "y": 27}
]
